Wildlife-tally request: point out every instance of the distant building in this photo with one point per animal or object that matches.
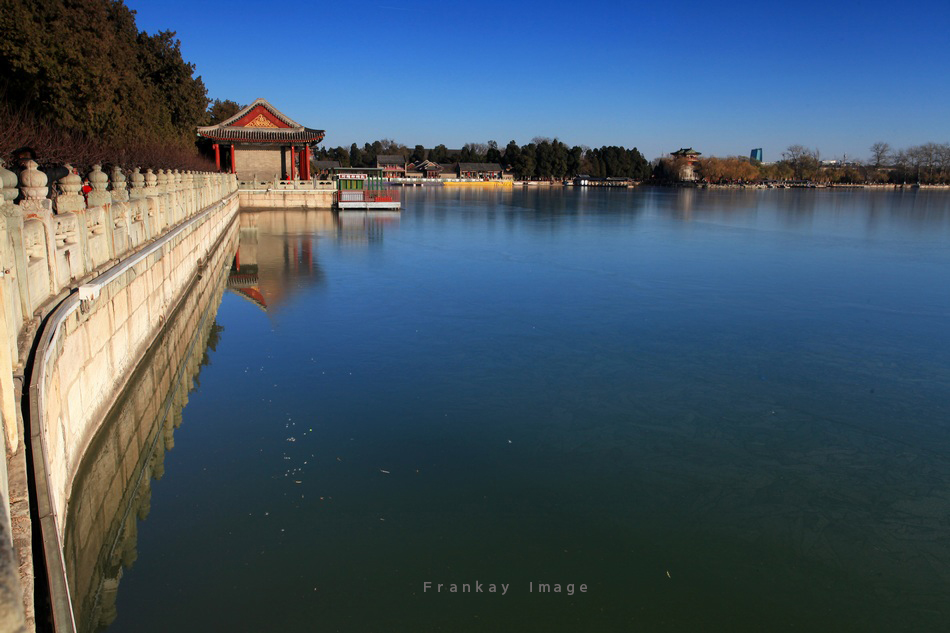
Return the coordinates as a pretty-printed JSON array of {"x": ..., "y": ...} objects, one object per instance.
[
  {"x": 483, "y": 171},
  {"x": 323, "y": 168},
  {"x": 426, "y": 169},
  {"x": 690, "y": 157},
  {"x": 756, "y": 155},
  {"x": 393, "y": 165},
  {"x": 261, "y": 142}
]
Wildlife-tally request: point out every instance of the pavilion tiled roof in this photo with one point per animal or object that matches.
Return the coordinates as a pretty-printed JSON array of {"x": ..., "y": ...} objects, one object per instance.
[{"x": 294, "y": 132}]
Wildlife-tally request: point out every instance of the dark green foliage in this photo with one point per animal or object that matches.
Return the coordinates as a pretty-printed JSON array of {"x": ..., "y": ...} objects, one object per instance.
[
  {"x": 543, "y": 158},
  {"x": 418, "y": 153},
  {"x": 341, "y": 155},
  {"x": 222, "y": 111},
  {"x": 492, "y": 155},
  {"x": 83, "y": 67},
  {"x": 439, "y": 154},
  {"x": 511, "y": 156},
  {"x": 356, "y": 156}
]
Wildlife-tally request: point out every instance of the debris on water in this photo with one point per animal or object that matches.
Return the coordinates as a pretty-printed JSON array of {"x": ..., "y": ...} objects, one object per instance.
[
  {"x": 298, "y": 481},
  {"x": 509, "y": 441},
  {"x": 291, "y": 439},
  {"x": 339, "y": 459},
  {"x": 384, "y": 471},
  {"x": 668, "y": 575}
]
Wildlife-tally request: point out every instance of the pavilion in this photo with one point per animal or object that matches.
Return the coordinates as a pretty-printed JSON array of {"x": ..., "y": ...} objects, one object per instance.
[{"x": 260, "y": 142}]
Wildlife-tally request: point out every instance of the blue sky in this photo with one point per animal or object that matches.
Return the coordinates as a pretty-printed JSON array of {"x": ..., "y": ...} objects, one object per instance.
[{"x": 836, "y": 76}]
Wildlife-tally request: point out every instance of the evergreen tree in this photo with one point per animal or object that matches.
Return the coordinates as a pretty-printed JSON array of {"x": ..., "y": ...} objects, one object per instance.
[
  {"x": 439, "y": 154},
  {"x": 492, "y": 155},
  {"x": 418, "y": 154},
  {"x": 512, "y": 157},
  {"x": 85, "y": 67},
  {"x": 527, "y": 163},
  {"x": 356, "y": 156},
  {"x": 222, "y": 110}
]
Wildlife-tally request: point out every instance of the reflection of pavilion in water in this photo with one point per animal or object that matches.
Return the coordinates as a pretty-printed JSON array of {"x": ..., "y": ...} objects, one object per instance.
[{"x": 277, "y": 256}]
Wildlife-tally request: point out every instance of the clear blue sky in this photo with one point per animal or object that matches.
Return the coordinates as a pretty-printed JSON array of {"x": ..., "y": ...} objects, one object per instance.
[{"x": 720, "y": 77}]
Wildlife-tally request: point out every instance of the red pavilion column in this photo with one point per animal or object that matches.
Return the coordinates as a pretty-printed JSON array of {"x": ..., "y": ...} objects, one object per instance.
[
  {"x": 293, "y": 163},
  {"x": 233, "y": 160},
  {"x": 305, "y": 162},
  {"x": 217, "y": 156}
]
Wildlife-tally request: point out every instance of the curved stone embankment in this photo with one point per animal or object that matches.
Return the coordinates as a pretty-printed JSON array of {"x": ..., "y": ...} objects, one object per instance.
[
  {"x": 90, "y": 345},
  {"x": 101, "y": 272},
  {"x": 112, "y": 489}
]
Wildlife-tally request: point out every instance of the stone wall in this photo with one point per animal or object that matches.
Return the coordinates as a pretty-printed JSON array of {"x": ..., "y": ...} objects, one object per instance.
[
  {"x": 110, "y": 266},
  {"x": 259, "y": 163},
  {"x": 287, "y": 198},
  {"x": 111, "y": 491}
]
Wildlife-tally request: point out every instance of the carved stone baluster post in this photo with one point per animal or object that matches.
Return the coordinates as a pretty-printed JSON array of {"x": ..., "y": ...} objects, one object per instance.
[
  {"x": 119, "y": 213},
  {"x": 179, "y": 196},
  {"x": 99, "y": 181},
  {"x": 119, "y": 191},
  {"x": 69, "y": 230},
  {"x": 138, "y": 211},
  {"x": 153, "y": 209},
  {"x": 36, "y": 204},
  {"x": 161, "y": 186},
  {"x": 189, "y": 182},
  {"x": 8, "y": 183},
  {"x": 13, "y": 223},
  {"x": 98, "y": 199},
  {"x": 205, "y": 189},
  {"x": 11, "y": 316},
  {"x": 34, "y": 190},
  {"x": 138, "y": 185},
  {"x": 70, "y": 200}
]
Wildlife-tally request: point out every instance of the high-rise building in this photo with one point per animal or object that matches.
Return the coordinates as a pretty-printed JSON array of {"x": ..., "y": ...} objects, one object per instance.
[{"x": 756, "y": 155}]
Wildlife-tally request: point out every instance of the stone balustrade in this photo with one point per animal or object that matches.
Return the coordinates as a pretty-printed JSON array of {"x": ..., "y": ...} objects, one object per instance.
[
  {"x": 54, "y": 237},
  {"x": 87, "y": 278}
]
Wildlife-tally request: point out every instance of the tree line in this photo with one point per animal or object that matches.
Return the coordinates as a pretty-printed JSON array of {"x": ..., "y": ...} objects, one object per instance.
[
  {"x": 542, "y": 159},
  {"x": 80, "y": 79},
  {"x": 928, "y": 163}
]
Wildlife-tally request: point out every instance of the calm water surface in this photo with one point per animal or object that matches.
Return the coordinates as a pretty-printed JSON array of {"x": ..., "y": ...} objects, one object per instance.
[{"x": 719, "y": 411}]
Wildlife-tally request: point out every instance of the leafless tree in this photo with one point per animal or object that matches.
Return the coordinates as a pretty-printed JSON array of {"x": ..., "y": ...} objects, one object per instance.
[{"x": 880, "y": 153}]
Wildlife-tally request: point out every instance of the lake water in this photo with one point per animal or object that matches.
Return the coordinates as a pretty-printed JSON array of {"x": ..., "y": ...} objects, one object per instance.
[{"x": 716, "y": 410}]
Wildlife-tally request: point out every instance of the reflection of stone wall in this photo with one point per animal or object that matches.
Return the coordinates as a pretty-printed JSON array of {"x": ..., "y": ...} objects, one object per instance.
[
  {"x": 99, "y": 338},
  {"x": 112, "y": 488}
]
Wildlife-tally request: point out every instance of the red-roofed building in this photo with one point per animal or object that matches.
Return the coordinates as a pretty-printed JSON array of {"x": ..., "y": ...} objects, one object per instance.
[{"x": 260, "y": 142}]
